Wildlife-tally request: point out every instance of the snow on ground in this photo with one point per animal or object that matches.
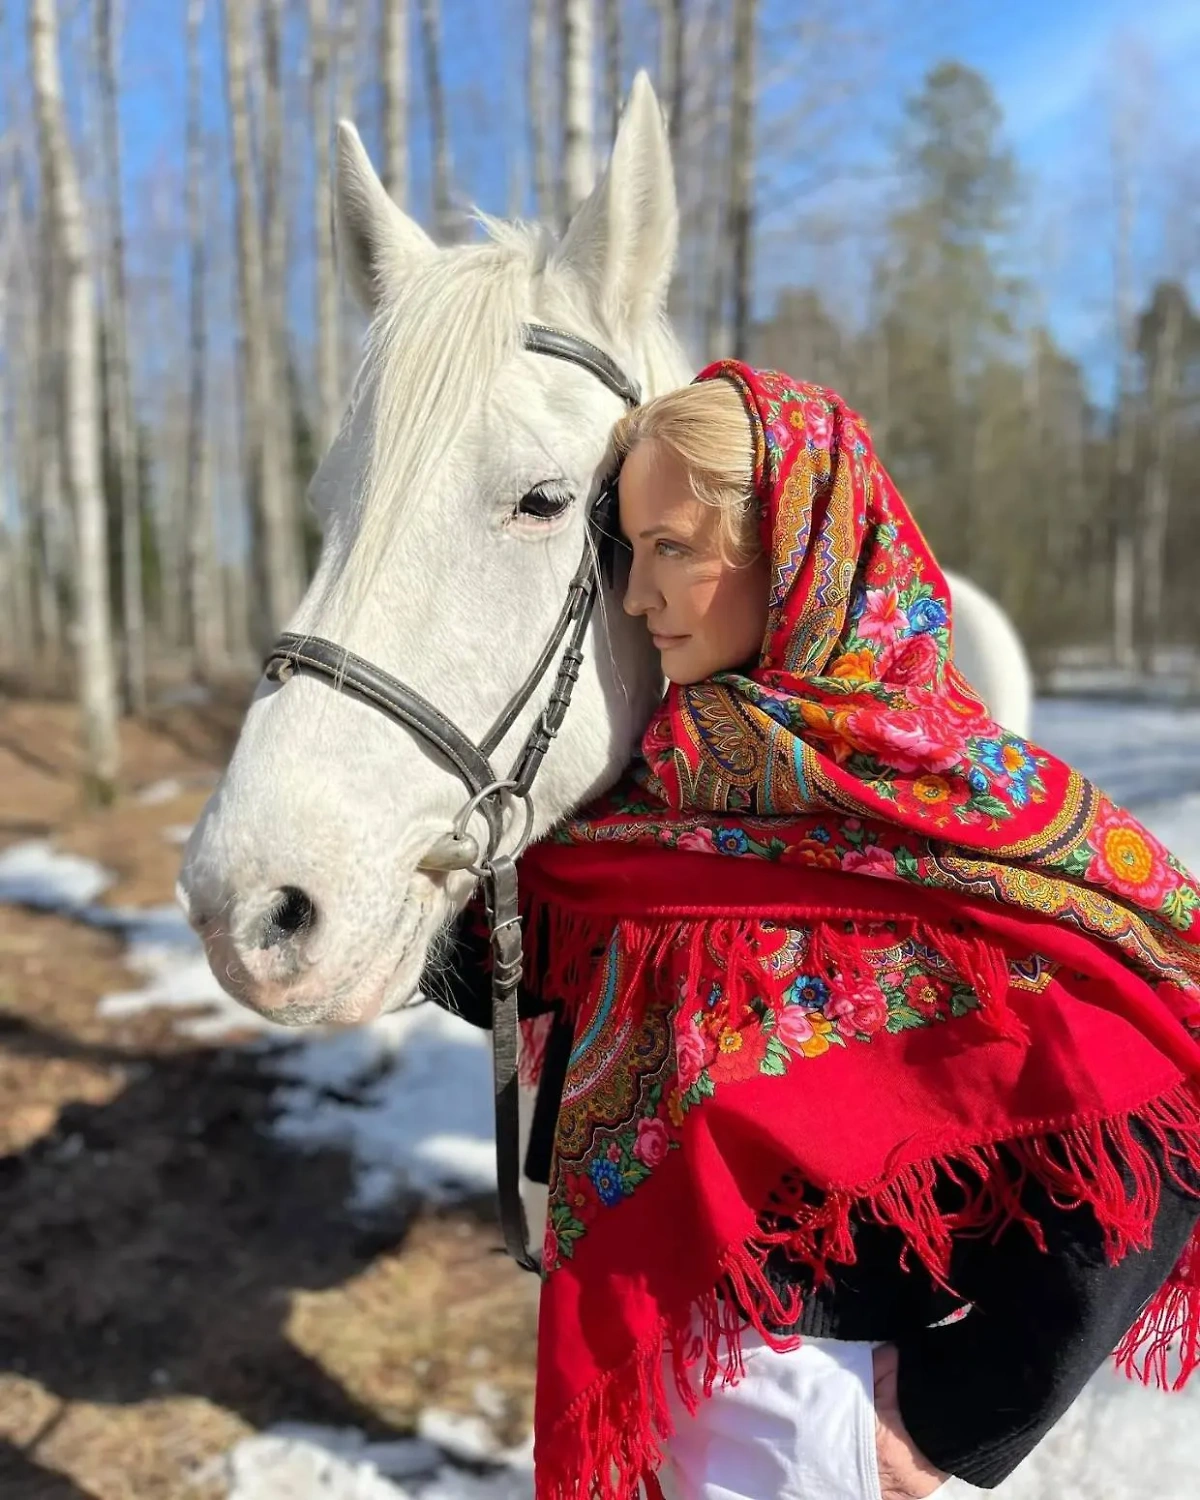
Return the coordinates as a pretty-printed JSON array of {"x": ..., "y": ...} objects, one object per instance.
[
  {"x": 409, "y": 1098},
  {"x": 300, "y": 1462},
  {"x": 1146, "y": 757},
  {"x": 36, "y": 874},
  {"x": 160, "y": 946}
]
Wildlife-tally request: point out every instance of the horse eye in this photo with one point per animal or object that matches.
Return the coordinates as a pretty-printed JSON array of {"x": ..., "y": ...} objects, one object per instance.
[{"x": 543, "y": 502}]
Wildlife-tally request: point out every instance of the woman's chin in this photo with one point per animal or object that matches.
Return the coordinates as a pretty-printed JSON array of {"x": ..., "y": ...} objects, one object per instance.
[{"x": 682, "y": 673}]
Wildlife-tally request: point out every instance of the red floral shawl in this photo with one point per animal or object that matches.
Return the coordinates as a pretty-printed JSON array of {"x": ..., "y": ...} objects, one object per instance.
[{"x": 934, "y": 950}]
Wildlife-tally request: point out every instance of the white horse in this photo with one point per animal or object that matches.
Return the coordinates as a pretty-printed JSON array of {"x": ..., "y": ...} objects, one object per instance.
[{"x": 437, "y": 568}]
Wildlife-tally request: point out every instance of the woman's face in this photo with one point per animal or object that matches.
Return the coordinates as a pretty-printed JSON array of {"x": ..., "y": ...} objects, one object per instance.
[{"x": 705, "y": 614}]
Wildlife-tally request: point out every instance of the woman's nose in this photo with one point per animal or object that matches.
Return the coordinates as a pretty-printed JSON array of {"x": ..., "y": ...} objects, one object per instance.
[{"x": 640, "y": 594}]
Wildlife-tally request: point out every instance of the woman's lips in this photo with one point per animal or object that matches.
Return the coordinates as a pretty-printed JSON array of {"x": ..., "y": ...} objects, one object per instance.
[{"x": 665, "y": 642}]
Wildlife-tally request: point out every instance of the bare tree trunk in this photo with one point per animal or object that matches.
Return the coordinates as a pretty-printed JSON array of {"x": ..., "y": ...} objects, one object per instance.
[
  {"x": 612, "y": 66},
  {"x": 345, "y": 95},
  {"x": 118, "y": 380},
  {"x": 516, "y": 155},
  {"x": 671, "y": 65},
  {"x": 48, "y": 533},
  {"x": 321, "y": 104},
  {"x": 81, "y": 434},
  {"x": 276, "y": 222},
  {"x": 1123, "y": 519},
  {"x": 15, "y": 645},
  {"x": 431, "y": 48},
  {"x": 345, "y": 67},
  {"x": 579, "y": 166},
  {"x": 537, "y": 85},
  {"x": 15, "y": 585},
  {"x": 394, "y": 67},
  {"x": 201, "y": 613},
  {"x": 276, "y": 540},
  {"x": 1156, "y": 505},
  {"x": 701, "y": 169},
  {"x": 741, "y": 173}
]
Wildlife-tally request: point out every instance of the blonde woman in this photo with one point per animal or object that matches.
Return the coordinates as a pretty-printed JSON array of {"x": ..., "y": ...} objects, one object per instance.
[{"x": 871, "y": 1114}]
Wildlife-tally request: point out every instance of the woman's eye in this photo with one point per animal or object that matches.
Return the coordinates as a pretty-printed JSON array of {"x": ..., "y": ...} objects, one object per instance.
[
  {"x": 668, "y": 549},
  {"x": 544, "y": 502}
]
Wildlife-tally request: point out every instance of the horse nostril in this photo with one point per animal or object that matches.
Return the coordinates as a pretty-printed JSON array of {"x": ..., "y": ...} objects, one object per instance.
[{"x": 291, "y": 914}]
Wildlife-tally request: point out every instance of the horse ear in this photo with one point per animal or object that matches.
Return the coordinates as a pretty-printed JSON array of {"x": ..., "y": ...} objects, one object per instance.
[
  {"x": 621, "y": 241},
  {"x": 377, "y": 242}
]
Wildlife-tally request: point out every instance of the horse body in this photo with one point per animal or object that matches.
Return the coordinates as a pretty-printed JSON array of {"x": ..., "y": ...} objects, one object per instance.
[{"x": 453, "y": 503}]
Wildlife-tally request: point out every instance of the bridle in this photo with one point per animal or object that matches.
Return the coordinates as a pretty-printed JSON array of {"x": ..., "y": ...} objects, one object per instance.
[{"x": 487, "y": 791}]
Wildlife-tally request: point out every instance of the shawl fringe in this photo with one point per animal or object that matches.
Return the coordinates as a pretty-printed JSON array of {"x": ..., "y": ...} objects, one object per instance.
[{"x": 609, "y": 1441}]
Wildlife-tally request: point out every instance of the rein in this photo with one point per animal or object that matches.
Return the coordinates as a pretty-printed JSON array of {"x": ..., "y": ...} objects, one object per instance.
[{"x": 489, "y": 793}]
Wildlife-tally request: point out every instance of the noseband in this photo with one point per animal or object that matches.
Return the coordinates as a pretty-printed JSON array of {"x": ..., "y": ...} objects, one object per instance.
[{"x": 488, "y": 792}]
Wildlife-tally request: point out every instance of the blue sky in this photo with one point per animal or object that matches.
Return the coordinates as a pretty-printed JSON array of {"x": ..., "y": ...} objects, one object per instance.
[{"x": 1053, "y": 64}]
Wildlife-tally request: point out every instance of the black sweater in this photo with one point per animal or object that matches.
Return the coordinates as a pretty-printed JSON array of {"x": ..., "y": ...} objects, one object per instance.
[{"x": 976, "y": 1394}]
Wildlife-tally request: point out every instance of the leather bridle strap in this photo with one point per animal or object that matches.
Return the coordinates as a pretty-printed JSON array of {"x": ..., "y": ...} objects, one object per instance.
[
  {"x": 559, "y": 344},
  {"x": 348, "y": 673},
  {"x": 352, "y": 674}
]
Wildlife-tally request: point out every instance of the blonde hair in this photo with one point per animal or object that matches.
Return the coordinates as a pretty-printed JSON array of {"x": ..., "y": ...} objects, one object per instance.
[{"x": 707, "y": 427}]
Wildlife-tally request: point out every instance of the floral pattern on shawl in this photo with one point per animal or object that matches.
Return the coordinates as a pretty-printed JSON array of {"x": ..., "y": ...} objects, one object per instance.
[{"x": 855, "y": 743}]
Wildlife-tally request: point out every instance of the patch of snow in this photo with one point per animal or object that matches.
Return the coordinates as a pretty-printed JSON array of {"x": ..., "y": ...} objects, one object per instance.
[
  {"x": 165, "y": 950},
  {"x": 467, "y": 1439},
  {"x": 400, "y": 1458},
  {"x": 409, "y": 1097},
  {"x": 155, "y": 793},
  {"x": 159, "y": 943},
  {"x": 1141, "y": 755},
  {"x": 298, "y": 1462},
  {"x": 279, "y": 1468},
  {"x": 1118, "y": 1442},
  {"x": 36, "y": 874}
]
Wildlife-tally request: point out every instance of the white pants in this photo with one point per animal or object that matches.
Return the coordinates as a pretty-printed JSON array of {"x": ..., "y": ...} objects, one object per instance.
[{"x": 797, "y": 1426}]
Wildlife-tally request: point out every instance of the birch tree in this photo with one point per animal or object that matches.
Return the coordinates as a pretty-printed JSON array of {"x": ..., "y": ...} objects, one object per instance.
[
  {"x": 276, "y": 158},
  {"x": 14, "y": 561},
  {"x": 431, "y": 53},
  {"x": 612, "y": 67},
  {"x": 203, "y": 612},
  {"x": 1165, "y": 324},
  {"x": 579, "y": 165},
  {"x": 345, "y": 67},
  {"x": 274, "y": 528},
  {"x": 537, "y": 90},
  {"x": 81, "y": 425},
  {"x": 740, "y": 222},
  {"x": 50, "y": 539},
  {"x": 326, "y": 286},
  {"x": 393, "y": 54},
  {"x": 671, "y": 65},
  {"x": 118, "y": 381},
  {"x": 1123, "y": 520}
]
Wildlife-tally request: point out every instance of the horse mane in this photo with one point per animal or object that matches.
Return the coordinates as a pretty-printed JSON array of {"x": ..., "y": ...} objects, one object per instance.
[{"x": 431, "y": 358}]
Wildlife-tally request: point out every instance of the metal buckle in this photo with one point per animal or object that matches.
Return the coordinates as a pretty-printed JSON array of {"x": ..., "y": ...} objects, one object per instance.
[{"x": 501, "y": 789}]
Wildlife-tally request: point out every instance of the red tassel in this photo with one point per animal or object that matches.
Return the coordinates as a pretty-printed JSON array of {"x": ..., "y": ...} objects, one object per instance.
[
  {"x": 984, "y": 967},
  {"x": 609, "y": 1442},
  {"x": 1168, "y": 1328},
  {"x": 563, "y": 949}
]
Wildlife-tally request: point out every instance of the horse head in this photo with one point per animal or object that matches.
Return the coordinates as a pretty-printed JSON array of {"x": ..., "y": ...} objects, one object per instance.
[{"x": 453, "y": 503}]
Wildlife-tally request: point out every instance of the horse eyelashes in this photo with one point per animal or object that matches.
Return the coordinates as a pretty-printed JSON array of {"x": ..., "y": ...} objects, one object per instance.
[{"x": 544, "y": 502}]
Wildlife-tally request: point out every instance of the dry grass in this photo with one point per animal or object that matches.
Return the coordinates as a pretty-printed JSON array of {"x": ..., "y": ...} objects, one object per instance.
[{"x": 170, "y": 1280}]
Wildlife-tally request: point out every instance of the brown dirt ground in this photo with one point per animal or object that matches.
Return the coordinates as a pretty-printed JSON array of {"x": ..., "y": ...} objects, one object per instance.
[{"x": 170, "y": 1279}]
